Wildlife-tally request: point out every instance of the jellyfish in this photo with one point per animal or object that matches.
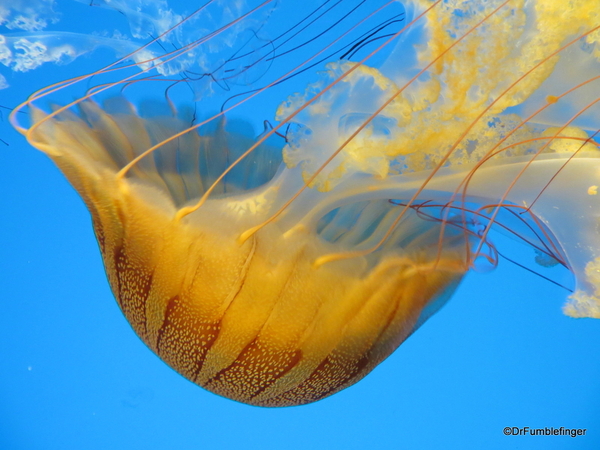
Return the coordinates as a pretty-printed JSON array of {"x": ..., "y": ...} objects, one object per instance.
[{"x": 278, "y": 268}]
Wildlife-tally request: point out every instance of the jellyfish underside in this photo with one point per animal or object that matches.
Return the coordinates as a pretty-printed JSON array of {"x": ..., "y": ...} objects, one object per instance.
[{"x": 288, "y": 311}]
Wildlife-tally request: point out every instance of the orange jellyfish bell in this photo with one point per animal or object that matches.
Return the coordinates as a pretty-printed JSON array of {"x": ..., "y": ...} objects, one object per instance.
[
  {"x": 278, "y": 273},
  {"x": 256, "y": 321}
]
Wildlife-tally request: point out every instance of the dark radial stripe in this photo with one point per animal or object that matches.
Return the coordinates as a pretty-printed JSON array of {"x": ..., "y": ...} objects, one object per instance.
[
  {"x": 133, "y": 289},
  {"x": 183, "y": 339},
  {"x": 217, "y": 325},
  {"x": 295, "y": 358},
  {"x": 200, "y": 361},
  {"x": 256, "y": 368},
  {"x": 144, "y": 295},
  {"x": 357, "y": 367},
  {"x": 117, "y": 257},
  {"x": 166, "y": 322},
  {"x": 335, "y": 372}
]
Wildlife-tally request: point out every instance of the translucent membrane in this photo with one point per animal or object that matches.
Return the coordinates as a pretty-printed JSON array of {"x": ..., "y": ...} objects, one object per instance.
[{"x": 279, "y": 271}]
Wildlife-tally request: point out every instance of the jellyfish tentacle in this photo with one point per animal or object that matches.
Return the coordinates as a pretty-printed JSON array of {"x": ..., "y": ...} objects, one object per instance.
[
  {"x": 303, "y": 107},
  {"x": 543, "y": 61},
  {"x": 465, "y": 184},
  {"x": 328, "y": 258},
  {"x": 312, "y": 177},
  {"x": 589, "y": 140},
  {"x": 528, "y": 164},
  {"x": 186, "y": 210},
  {"x": 61, "y": 85},
  {"x": 544, "y": 146},
  {"x": 172, "y": 55},
  {"x": 495, "y": 149}
]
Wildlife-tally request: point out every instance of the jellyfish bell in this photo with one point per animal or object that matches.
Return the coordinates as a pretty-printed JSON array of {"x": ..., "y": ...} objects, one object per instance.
[
  {"x": 277, "y": 272},
  {"x": 295, "y": 332}
]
